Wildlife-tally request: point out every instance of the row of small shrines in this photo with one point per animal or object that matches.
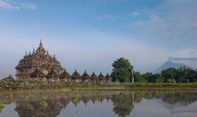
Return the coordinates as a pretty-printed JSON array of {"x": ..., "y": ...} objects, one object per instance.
[{"x": 75, "y": 77}]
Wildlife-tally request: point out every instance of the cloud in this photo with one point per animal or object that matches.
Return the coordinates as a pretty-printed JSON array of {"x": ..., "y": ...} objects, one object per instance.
[
  {"x": 172, "y": 20},
  {"x": 145, "y": 12},
  {"x": 135, "y": 13},
  {"x": 107, "y": 17},
  {"x": 9, "y": 4},
  {"x": 155, "y": 25},
  {"x": 186, "y": 53}
]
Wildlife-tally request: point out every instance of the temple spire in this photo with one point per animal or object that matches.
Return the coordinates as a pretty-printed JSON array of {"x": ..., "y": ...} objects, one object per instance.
[
  {"x": 29, "y": 53},
  {"x": 34, "y": 51},
  {"x": 54, "y": 56},
  {"x": 41, "y": 45}
]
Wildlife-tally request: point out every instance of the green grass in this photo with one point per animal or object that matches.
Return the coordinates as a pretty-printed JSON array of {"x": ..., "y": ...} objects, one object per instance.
[
  {"x": 177, "y": 85},
  {"x": 43, "y": 103},
  {"x": 1, "y": 105}
]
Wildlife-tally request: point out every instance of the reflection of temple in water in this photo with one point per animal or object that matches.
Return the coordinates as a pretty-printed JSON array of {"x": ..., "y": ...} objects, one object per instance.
[
  {"x": 50, "y": 104},
  {"x": 40, "y": 108},
  {"x": 51, "y": 107}
]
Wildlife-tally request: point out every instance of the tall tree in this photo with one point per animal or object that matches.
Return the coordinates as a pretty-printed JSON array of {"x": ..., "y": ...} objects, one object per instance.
[
  {"x": 150, "y": 77},
  {"x": 138, "y": 77},
  {"x": 121, "y": 70},
  {"x": 170, "y": 74}
]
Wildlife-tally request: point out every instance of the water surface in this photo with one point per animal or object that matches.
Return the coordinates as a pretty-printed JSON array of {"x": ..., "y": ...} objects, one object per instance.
[{"x": 168, "y": 103}]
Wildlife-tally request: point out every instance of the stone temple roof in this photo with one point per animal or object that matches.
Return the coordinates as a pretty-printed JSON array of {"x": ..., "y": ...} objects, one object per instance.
[
  {"x": 76, "y": 75},
  {"x": 85, "y": 76},
  {"x": 38, "y": 59},
  {"x": 64, "y": 75}
]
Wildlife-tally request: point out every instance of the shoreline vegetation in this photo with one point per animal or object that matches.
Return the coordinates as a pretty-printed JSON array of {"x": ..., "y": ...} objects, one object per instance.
[{"x": 37, "y": 84}]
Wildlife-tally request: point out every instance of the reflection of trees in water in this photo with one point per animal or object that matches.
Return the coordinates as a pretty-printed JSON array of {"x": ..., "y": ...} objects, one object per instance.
[
  {"x": 180, "y": 98},
  {"x": 123, "y": 104},
  {"x": 172, "y": 97},
  {"x": 50, "y": 104}
]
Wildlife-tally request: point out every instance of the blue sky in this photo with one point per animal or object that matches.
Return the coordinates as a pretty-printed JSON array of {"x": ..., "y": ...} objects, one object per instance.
[{"x": 91, "y": 34}]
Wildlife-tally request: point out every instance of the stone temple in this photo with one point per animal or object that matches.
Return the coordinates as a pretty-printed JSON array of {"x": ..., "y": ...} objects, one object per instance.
[{"x": 38, "y": 64}]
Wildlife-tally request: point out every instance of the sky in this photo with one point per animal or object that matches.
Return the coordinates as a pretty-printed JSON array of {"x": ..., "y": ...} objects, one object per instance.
[{"x": 91, "y": 34}]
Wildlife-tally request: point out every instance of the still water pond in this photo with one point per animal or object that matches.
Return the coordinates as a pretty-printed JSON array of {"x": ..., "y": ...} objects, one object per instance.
[{"x": 168, "y": 103}]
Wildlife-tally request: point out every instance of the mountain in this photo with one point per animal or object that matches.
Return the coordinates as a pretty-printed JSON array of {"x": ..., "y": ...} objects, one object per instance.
[{"x": 174, "y": 62}]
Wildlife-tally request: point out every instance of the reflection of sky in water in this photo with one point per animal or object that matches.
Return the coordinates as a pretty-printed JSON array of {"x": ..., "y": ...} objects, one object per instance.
[
  {"x": 105, "y": 104},
  {"x": 9, "y": 111},
  {"x": 153, "y": 108},
  {"x": 98, "y": 109}
]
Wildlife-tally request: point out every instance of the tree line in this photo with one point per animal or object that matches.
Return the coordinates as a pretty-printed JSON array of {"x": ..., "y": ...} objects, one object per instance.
[{"x": 122, "y": 72}]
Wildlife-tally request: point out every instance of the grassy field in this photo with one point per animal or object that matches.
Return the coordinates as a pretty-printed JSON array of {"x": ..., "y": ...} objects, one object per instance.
[{"x": 119, "y": 86}]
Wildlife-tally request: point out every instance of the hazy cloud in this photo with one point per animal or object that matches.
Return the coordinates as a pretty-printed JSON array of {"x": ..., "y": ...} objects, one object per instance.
[
  {"x": 135, "y": 13},
  {"x": 11, "y": 4},
  {"x": 175, "y": 19},
  {"x": 107, "y": 17},
  {"x": 145, "y": 12},
  {"x": 186, "y": 53}
]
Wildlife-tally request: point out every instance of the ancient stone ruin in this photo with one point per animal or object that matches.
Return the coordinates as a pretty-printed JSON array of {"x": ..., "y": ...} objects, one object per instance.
[{"x": 40, "y": 65}]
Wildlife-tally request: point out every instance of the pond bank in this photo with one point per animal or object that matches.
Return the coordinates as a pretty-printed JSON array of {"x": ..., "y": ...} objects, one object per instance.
[{"x": 20, "y": 85}]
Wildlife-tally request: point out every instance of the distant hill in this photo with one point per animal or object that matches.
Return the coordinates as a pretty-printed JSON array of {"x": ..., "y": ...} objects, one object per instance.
[{"x": 174, "y": 62}]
